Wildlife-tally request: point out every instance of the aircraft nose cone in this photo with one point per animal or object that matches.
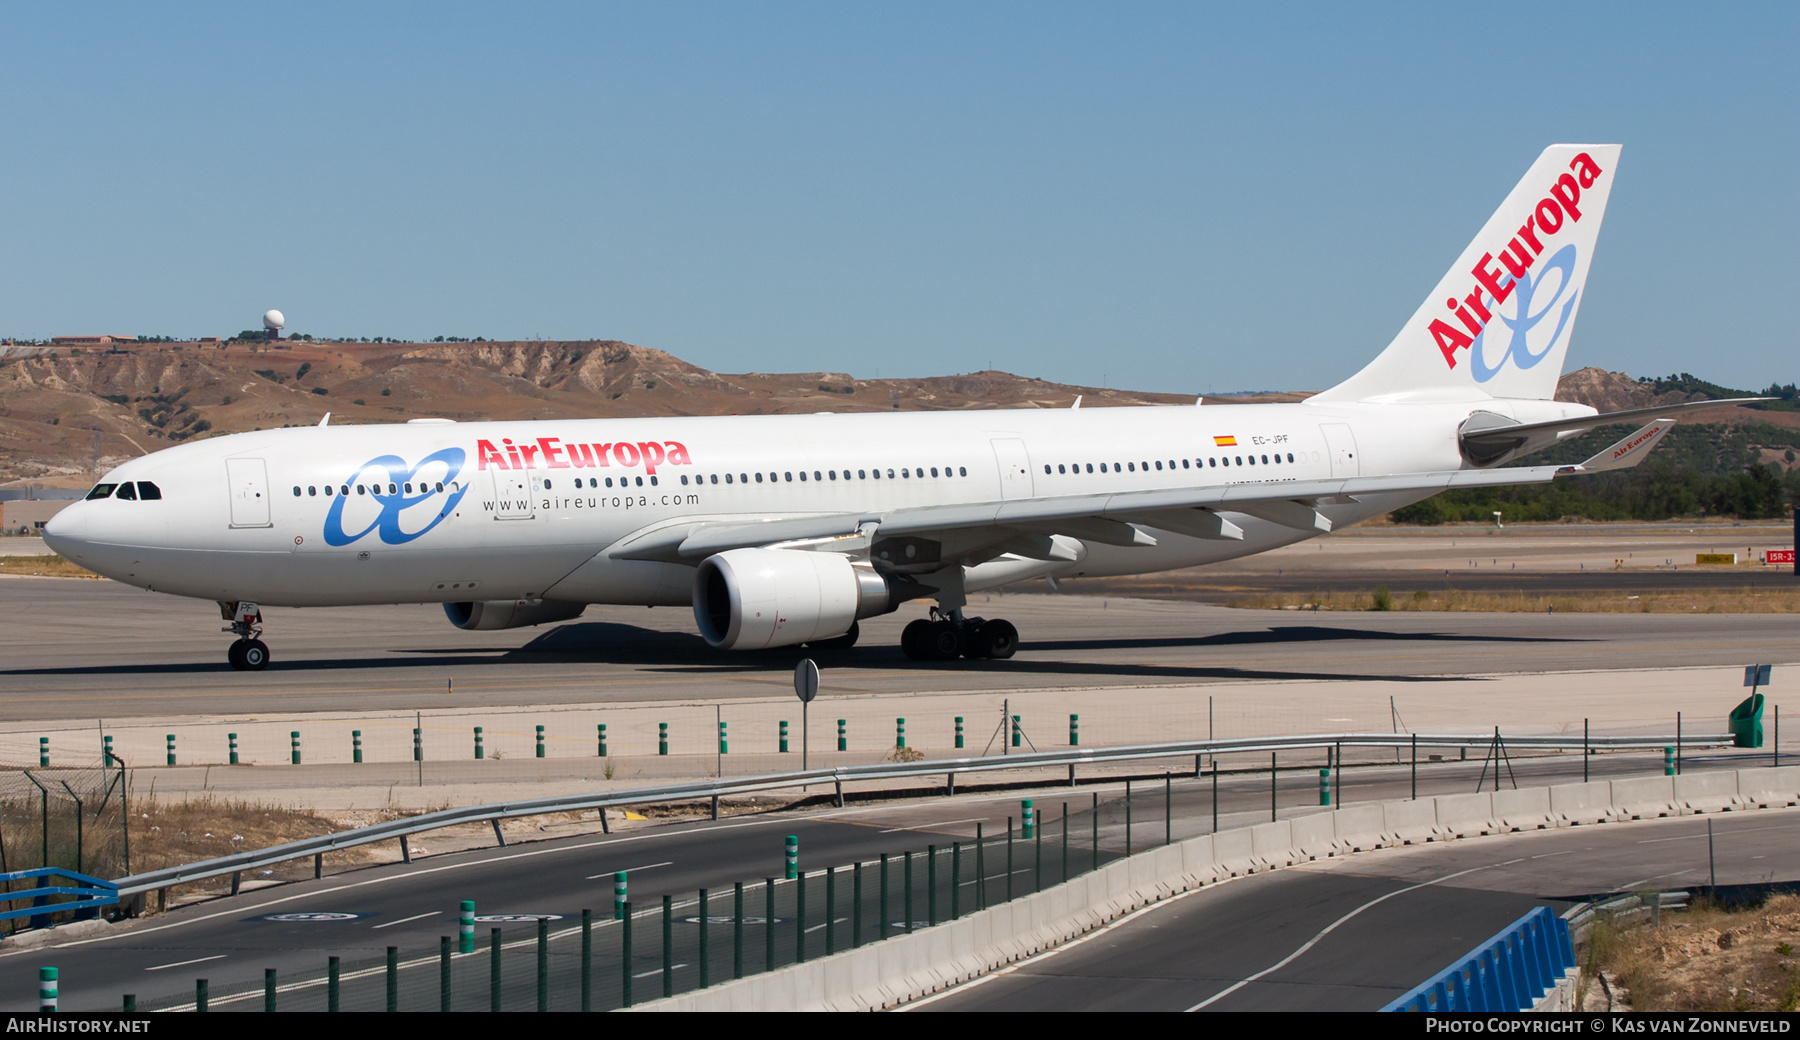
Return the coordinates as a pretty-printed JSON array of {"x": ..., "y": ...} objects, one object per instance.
[{"x": 65, "y": 532}]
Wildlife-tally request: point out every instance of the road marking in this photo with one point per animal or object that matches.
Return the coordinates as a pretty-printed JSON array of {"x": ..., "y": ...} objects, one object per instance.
[
  {"x": 1734, "y": 832},
  {"x": 1655, "y": 877},
  {"x": 1327, "y": 930},
  {"x": 656, "y": 971},
  {"x": 403, "y": 920},
  {"x": 181, "y": 964},
  {"x": 933, "y": 826},
  {"x": 628, "y": 870}
]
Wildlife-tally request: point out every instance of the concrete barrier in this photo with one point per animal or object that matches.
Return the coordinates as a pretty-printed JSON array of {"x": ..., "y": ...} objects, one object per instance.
[
  {"x": 1576, "y": 804},
  {"x": 1645, "y": 798},
  {"x": 906, "y": 967}
]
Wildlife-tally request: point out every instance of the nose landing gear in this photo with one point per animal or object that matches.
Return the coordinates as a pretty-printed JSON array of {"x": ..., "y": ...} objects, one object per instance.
[
  {"x": 248, "y": 653},
  {"x": 947, "y": 636}
]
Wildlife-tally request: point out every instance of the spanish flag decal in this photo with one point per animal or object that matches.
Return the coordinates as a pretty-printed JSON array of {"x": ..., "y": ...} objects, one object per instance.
[{"x": 1225, "y": 442}]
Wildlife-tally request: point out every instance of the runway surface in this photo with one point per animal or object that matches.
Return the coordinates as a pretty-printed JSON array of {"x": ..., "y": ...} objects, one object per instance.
[{"x": 86, "y": 649}]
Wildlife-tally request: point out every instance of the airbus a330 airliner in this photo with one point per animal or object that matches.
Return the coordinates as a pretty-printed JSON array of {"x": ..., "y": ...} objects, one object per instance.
[{"x": 784, "y": 530}]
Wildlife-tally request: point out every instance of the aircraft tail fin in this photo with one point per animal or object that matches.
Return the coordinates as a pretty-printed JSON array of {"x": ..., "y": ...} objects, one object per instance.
[{"x": 1498, "y": 323}]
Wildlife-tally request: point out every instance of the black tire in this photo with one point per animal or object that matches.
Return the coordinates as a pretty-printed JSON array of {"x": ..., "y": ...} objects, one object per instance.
[
  {"x": 235, "y": 654},
  {"x": 255, "y": 655},
  {"x": 943, "y": 641},
  {"x": 912, "y": 639},
  {"x": 999, "y": 639},
  {"x": 843, "y": 642}
]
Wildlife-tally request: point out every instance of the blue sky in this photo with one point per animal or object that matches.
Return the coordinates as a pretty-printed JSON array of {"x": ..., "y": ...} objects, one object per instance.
[{"x": 1185, "y": 197}]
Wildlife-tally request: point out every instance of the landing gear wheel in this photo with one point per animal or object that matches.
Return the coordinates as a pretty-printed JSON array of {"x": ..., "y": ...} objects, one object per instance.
[
  {"x": 843, "y": 642},
  {"x": 912, "y": 639},
  {"x": 996, "y": 639},
  {"x": 248, "y": 655},
  {"x": 943, "y": 641}
]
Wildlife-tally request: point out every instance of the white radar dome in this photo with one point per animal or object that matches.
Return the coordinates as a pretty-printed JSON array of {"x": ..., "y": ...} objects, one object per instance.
[{"x": 273, "y": 320}]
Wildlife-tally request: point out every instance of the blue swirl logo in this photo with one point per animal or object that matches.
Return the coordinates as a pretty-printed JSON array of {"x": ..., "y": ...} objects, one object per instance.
[
  {"x": 391, "y": 491},
  {"x": 1527, "y": 292}
]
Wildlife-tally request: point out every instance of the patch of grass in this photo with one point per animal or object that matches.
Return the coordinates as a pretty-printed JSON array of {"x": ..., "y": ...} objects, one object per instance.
[
  {"x": 50, "y": 566},
  {"x": 1703, "y": 601}
]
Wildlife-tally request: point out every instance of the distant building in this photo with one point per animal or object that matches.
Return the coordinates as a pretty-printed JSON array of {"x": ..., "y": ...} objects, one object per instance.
[
  {"x": 90, "y": 341},
  {"x": 28, "y": 516}
]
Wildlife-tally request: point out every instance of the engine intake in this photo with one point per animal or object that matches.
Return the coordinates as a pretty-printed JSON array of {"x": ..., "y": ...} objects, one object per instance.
[
  {"x": 488, "y": 615},
  {"x": 749, "y": 599}
]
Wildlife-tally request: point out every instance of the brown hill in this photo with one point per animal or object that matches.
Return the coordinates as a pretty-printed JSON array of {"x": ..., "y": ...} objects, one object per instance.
[{"x": 60, "y": 407}]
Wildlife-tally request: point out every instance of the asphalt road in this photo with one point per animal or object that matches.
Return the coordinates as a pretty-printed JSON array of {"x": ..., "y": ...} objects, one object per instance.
[
  {"x": 231, "y": 941},
  {"x": 74, "y": 649},
  {"x": 1380, "y": 923}
]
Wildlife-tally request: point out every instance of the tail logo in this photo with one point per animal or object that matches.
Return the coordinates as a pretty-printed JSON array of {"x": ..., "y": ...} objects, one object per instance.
[
  {"x": 1521, "y": 324},
  {"x": 1560, "y": 207},
  {"x": 438, "y": 470}
]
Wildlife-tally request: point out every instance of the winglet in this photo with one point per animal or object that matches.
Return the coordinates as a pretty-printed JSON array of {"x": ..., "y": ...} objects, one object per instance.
[
  {"x": 1628, "y": 452},
  {"x": 1077, "y": 403},
  {"x": 326, "y": 421}
]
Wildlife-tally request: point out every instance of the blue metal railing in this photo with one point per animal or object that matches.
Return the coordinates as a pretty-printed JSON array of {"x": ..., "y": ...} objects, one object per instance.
[
  {"x": 91, "y": 893},
  {"x": 1510, "y": 972}
]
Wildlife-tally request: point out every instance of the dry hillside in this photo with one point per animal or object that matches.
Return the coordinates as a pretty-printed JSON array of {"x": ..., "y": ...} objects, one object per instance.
[{"x": 60, "y": 407}]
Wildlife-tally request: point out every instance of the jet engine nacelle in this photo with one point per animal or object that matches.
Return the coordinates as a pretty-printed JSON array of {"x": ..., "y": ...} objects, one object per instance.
[
  {"x": 749, "y": 599},
  {"x": 487, "y": 615}
]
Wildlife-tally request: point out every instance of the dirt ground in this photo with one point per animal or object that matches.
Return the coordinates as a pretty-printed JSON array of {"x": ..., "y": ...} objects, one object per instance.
[
  {"x": 1705, "y": 959},
  {"x": 1697, "y": 601}
]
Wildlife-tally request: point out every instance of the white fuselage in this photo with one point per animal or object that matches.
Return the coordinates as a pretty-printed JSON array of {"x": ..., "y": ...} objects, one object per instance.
[{"x": 528, "y": 510}]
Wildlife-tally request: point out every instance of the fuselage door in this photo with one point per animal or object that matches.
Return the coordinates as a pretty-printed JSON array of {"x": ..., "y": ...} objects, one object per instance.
[
  {"x": 1340, "y": 445},
  {"x": 248, "y": 481},
  {"x": 512, "y": 495},
  {"x": 1015, "y": 467}
]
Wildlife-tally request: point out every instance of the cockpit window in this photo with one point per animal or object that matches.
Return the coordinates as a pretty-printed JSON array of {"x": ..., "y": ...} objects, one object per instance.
[
  {"x": 101, "y": 491},
  {"x": 149, "y": 492},
  {"x": 126, "y": 491}
]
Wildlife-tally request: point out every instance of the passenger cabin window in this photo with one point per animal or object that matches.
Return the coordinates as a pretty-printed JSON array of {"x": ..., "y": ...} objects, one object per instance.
[
  {"x": 127, "y": 492},
  {"x": 101, "y": 491}
]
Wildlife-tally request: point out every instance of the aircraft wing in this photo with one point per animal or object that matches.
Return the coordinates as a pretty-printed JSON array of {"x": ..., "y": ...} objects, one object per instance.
[{"x": 1113, "y": 518}]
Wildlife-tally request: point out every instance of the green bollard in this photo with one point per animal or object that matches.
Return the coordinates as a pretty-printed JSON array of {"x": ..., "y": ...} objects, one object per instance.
[
  {"x": 543, "y": 964},
  {"x": 43, "y": 752},
  {"x": 540, "y": 742},
  {"x": 623, "y": 912},
  {"x": 1027, "y": 820},
  {"x": 495, "y": 987},
  {"x": 294, "y": 745},
  {"x": 1074, "y": 730},
  {"x": 47, "y": 989},
  {"x": 900, "y": 733},
  {"x": 1325, "y": 787},
  {"x": 356, "y": 746},
  {"x": 843, "y": 741},
  {"x": 418, "y": 746},
  {"x": 333, "y": 985},
  {"x": 600, "y": 728},
  {"x": 106, "y": 750},
  {"x": 793, "y": 856},
  {"x": 724, "y": 743},
  {"x": 619, "y": 903},
  {"x": 201, "y": 989},
  {"x": 662, "y": 738},
  {"x": 1668, "y": 761},
  {"x": 171, "y": 739},
  {"x": 231, "y": 746},
  {"x": 1017, "y": 729},
  {"x": 784, "y": 736},
  {"x": 270, "y": 987},
  {"x": 480, "y": 752},
  {"x": 959, "y": 731},
  {"x": 393, "y": 978},
  {"x": 466, "y": 927},
  {"x": 444, "y": 973}
]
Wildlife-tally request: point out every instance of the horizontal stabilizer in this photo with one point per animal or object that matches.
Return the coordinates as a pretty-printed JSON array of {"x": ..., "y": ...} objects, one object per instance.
[
  {"x": 1487, "y": 437},
  {"x": 1630, "y": 451}
]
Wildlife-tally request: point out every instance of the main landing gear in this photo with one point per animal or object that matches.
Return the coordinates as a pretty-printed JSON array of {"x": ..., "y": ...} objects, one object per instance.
[
  {"x": 249, "y": 653},
  {"x": 945, "y": 637}
]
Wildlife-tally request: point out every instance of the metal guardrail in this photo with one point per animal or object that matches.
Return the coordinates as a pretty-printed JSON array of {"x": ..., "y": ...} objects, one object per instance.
[
  {"x": 838, "y": 776},
  {"x": 1510, "y": 972},
  {"x": 91, "y": 893}
]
